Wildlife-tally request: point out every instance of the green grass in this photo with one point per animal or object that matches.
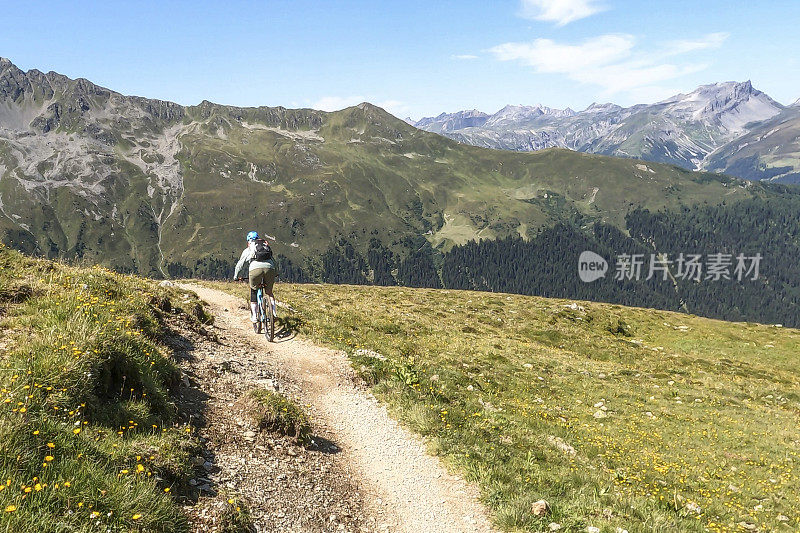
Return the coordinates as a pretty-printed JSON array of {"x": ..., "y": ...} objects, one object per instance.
[
  {"x": 88, "y": 440},
  {"x": 236, "y": 518},
  {"x": 270, "y": 410},
  {"x": 701, "y": 416}
]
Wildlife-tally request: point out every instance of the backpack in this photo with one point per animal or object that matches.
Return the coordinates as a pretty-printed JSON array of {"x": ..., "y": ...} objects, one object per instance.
[{"x": 262, "y": 251}]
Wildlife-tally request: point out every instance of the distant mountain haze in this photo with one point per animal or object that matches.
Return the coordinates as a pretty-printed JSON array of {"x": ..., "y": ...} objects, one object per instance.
[{"x": 698, "y": 131}]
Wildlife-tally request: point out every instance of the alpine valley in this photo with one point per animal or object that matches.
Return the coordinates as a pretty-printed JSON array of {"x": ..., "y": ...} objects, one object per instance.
[{"x": 359, "y": 196}]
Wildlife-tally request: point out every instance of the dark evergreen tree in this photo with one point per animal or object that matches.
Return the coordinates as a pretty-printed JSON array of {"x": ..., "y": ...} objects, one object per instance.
[
  {"x": 418, "y": 268},
  {"x": 341, "y": 263},
  {"x": 289, "y": 272},
  {"x": 381, "y": 261}
]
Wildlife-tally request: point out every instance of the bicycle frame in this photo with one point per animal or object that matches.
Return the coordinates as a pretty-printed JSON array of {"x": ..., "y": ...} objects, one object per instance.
[{"x": 265, "y": 315}]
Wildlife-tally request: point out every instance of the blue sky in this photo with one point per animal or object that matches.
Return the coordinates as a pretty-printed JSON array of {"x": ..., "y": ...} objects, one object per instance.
[{"x": 414, "y": 58}]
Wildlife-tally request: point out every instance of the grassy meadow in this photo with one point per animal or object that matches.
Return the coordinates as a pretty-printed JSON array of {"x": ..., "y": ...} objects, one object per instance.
[
  {"x": 619, "y": 417},
  {"x": 89, "y": 439}
]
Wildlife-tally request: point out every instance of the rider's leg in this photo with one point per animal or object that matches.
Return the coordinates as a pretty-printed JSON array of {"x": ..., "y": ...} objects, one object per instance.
[
  {"x": 253, "y": 306},
  {"x": 269, "y": 281},
  {"x": 254, "y": 282}
]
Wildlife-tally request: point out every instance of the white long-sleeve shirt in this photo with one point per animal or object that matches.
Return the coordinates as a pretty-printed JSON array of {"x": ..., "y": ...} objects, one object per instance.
[{"x": 247, "y": 262}]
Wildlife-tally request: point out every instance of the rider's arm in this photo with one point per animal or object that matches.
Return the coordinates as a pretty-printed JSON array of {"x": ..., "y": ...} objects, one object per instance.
[{"x": 241, "y": 267}]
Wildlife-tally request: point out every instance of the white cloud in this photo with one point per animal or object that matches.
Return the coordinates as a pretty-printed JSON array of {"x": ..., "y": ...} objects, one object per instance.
[
  {"x": 395, "y": 107},
  {"x": 712, "y": 40},
  {"x": 548, "y": 56},
  {"x": 560, "y": 11},
  {"x": 465, "y": 57},
  {"x": 612, "y": 62}
]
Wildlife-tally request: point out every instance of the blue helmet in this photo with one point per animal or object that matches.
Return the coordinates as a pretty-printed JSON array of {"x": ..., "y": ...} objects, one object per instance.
[{"x": 252, "y": 236}]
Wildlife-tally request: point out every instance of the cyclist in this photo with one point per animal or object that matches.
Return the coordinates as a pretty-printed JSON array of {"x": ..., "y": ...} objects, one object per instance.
[{"x": 257, "y": 259}]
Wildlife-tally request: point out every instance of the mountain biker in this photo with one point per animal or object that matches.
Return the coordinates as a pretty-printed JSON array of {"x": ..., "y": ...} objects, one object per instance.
[{"x": 257, "y": 259}]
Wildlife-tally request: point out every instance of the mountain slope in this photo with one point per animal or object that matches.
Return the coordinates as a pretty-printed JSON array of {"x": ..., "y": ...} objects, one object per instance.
[
  {"x": 155, "y": 187},
  {"x": 681, "y": 130},
  {"x": 770, "y": 151}
]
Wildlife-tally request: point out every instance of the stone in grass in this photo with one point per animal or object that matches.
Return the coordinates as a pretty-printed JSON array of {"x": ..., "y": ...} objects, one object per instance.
[
  {"x": 561, "y": 445},
  {"x": 692, "y": 507},
  {"x": 540, "y": 508},
  {"x": 554, "y": 526},
  {"x": 592, "y": 529},
  {"x": 600, "y": 414}
]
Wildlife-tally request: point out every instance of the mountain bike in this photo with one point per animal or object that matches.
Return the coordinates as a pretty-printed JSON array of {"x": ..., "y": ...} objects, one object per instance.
[{"x": 264, "y": 315}]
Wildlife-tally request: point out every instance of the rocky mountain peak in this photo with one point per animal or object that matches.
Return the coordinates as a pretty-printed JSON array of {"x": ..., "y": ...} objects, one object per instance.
[
  {"x": 446, "y": 122},
  {"x": 602, "y": 108},
  {"x": 517, "y": 113},
  {"x": 473, "y": 113},
  {"x": 682, "y": 129},
  {"x": 736, "y": 104}
]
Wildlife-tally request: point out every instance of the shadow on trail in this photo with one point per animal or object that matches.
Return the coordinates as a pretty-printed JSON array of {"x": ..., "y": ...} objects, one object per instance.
[
  {"x": 323, "y": 445},
  {"x": 192, "y": 404},
  {"x": 287, "y": 328}
]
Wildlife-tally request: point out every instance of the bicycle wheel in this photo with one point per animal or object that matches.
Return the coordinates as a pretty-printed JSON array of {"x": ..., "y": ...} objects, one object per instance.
[
  {"x": 259, "y": 310},
  {"x": 269, "y": 330},
  {"x": 263, "y": 321}
]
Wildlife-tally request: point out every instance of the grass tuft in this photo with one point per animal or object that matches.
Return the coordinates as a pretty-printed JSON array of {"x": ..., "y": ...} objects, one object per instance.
[
  {"x": 269, "y": 410},
  {"x": 236, "y": 518}
]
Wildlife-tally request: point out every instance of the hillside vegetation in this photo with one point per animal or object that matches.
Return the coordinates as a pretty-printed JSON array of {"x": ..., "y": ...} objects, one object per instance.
[
  {"x": 162, "y": 189},
  {"x": 89, "y": 434},
  {"x": 358, "y": 196},
  {"x": 618, "y": 417}
]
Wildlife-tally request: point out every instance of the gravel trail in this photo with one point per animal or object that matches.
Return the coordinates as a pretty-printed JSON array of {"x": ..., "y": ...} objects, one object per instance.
[{"x": 403, "y": 488}]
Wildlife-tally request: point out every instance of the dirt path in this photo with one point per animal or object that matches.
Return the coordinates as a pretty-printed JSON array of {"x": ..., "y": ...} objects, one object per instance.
[{"x": 402, "y": 488}]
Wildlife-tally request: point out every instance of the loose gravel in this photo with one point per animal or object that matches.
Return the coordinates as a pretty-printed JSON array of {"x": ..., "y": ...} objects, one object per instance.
[{"x": 364, "y": 471}]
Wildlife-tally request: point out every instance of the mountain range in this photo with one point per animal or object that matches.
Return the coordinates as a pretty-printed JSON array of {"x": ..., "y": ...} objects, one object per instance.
[
  {"x": 727, "y": 127},
  {"x": 159, "y": 188},
  {"x": 360, "y": 196}
]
